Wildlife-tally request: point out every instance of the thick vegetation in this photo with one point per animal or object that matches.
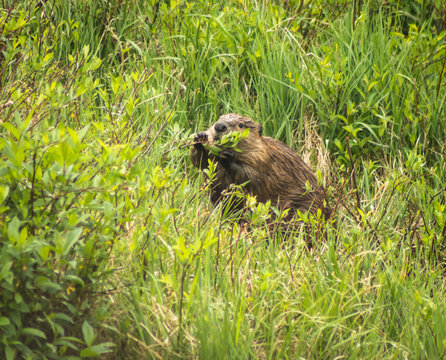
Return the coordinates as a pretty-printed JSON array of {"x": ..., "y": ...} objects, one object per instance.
[{"x": 109, "y": 246}]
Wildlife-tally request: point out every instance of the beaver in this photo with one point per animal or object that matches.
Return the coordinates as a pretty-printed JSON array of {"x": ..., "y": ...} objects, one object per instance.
[{"x": 268, "y": 168}]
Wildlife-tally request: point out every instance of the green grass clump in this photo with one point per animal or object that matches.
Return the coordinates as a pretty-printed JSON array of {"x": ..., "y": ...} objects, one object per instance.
[{"x": 109, "y": 246}]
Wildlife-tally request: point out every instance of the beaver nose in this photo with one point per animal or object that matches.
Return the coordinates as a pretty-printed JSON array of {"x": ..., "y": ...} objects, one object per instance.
[{"x": 219, "y": 127}]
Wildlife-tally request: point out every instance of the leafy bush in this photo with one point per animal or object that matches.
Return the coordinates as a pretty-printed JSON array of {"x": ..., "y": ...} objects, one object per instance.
[{"x": 64, "y": 192}]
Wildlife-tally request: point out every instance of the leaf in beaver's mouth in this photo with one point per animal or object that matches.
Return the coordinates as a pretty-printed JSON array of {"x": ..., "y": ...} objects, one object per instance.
[{"x": 227, "y": 141}]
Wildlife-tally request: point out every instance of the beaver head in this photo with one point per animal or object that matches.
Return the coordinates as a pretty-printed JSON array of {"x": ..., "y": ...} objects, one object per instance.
[
  {"x": 250, "y": 146},
  {"x": 233, "y": 122}
]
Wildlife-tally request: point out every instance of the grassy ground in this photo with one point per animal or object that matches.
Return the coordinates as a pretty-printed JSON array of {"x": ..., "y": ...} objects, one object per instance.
[{"x": 109, "y": 244}]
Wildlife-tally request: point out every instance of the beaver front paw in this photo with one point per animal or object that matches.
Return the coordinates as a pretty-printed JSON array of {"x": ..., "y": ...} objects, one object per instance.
[
  {"x": 200, "y": 139},
  {"x": 227, "y": 155},
  {"x": 226, "y": 158}
]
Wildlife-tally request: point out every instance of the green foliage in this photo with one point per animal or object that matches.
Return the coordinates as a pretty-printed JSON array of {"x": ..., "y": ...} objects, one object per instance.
[
  {"x": 60, "y": 219},
  {"x": 108, "y": 246},
  {"x": 227, "y": 141}
]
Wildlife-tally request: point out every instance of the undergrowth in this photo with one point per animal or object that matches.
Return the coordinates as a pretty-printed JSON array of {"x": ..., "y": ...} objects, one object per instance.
[{"x": 109, "y": 245}]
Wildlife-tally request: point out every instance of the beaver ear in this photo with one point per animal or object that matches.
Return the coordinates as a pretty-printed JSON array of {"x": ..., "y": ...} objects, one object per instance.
[{"x": 260, "y": 130}]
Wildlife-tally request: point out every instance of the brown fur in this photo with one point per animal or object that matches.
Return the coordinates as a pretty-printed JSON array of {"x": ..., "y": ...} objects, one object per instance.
[{"x": 273, "y": 170}]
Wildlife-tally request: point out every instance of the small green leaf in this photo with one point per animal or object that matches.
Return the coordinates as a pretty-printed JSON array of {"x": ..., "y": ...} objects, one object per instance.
[
  {"x": 18, "y": 298},
  {"x": 181, "y": 250},
  {"x": 4, "y": 321},
  {"x": 88, "y": 332},
  {"x": 34, "y": 332},
  {"x": 44, "y": 251},
  {"x": 83, "y": 131},
  {"x": 13, "y": 130},
  {"x": 13, "y": 230},
  {"x": 215, "y": 150},
  {"x": 23, "y": 236},
  {"x": 73, "y": 136},
  {"x": 47, "y": 58},
  {"x": 95, "y": 63},
  {"x": 65, "y": 317},
  {"x": 4, "y": 191},
  {"x": 74, "y": 279},
  {"x": 46, "y": 284},
  {"x": 372, "y": 84},
  {"x": 338, "y": 144},
  {"x": 71, "y": 239},
  {"x": 97, "y": 350},
  {"x": 10, "y": 353},
  {"x": 85, "y": 353},
  {"x": 5, "y": 271}
]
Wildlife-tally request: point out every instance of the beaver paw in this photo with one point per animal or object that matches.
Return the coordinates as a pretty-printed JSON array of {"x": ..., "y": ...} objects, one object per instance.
[
  {"x": 226, "y": 158},
  {"x": 199, "y": 139},
  {"x": 227, "y": 155}
]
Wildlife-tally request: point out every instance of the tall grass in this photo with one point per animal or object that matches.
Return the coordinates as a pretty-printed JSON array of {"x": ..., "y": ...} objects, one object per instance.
[{"x": 124, "y": 84}]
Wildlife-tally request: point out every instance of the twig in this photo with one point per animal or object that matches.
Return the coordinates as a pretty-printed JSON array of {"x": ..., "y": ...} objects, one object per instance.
[
  {"x": 218, "y": 247},
  {"x": 441, "y": 75},
  {"x": 386, "y": 206},
  {"x": 353, "y": 166},
  {"x": 180, "y": 320}
]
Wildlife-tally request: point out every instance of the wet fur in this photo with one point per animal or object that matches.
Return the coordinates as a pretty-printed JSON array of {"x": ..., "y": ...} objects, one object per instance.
[{"x": 273, "y": 170}]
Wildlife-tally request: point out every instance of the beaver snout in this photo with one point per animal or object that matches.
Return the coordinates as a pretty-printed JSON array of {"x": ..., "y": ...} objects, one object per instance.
[{"x": 220, "y": 127}]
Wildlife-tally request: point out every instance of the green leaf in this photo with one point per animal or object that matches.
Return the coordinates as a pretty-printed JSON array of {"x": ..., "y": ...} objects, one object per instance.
[
  {"x": 65, "y": 317},
  {"x": 83, "y": 131},
  {"x": 12, "y": 129},
  {"x": 95, "y": 63},
  {"x": 88, "y": 353},
  {"x": 4, "y": 321},
  {"x": 46, "y": 284},
  {"x": 4, "y": 191},
  {"x": 18, "y": 298},
  {"x": 23, "y": 236},
  {"x": 88, "y": 332},
  {"x": 74, "y": 279},
  {"x": 13, "y": 230},
  {"x": 372, "y": 84},
  {"x": 73, "y": 136},
  {"x": 338, "y": 144},
  {"x": 71, "y": 239},
  {"x": 6, "y": 272},
  {"x": 97, "y": 350},
  {"x": 341, "y": 118},
  {"x": 10, "y": 353},
  {"x": 215, "y": 150},
  {"x": 48, "y": 57},
  {"x": 181, "y": 250},
  {"x": 44, "y": 251},
  {"x": 34, "y": 332}
]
